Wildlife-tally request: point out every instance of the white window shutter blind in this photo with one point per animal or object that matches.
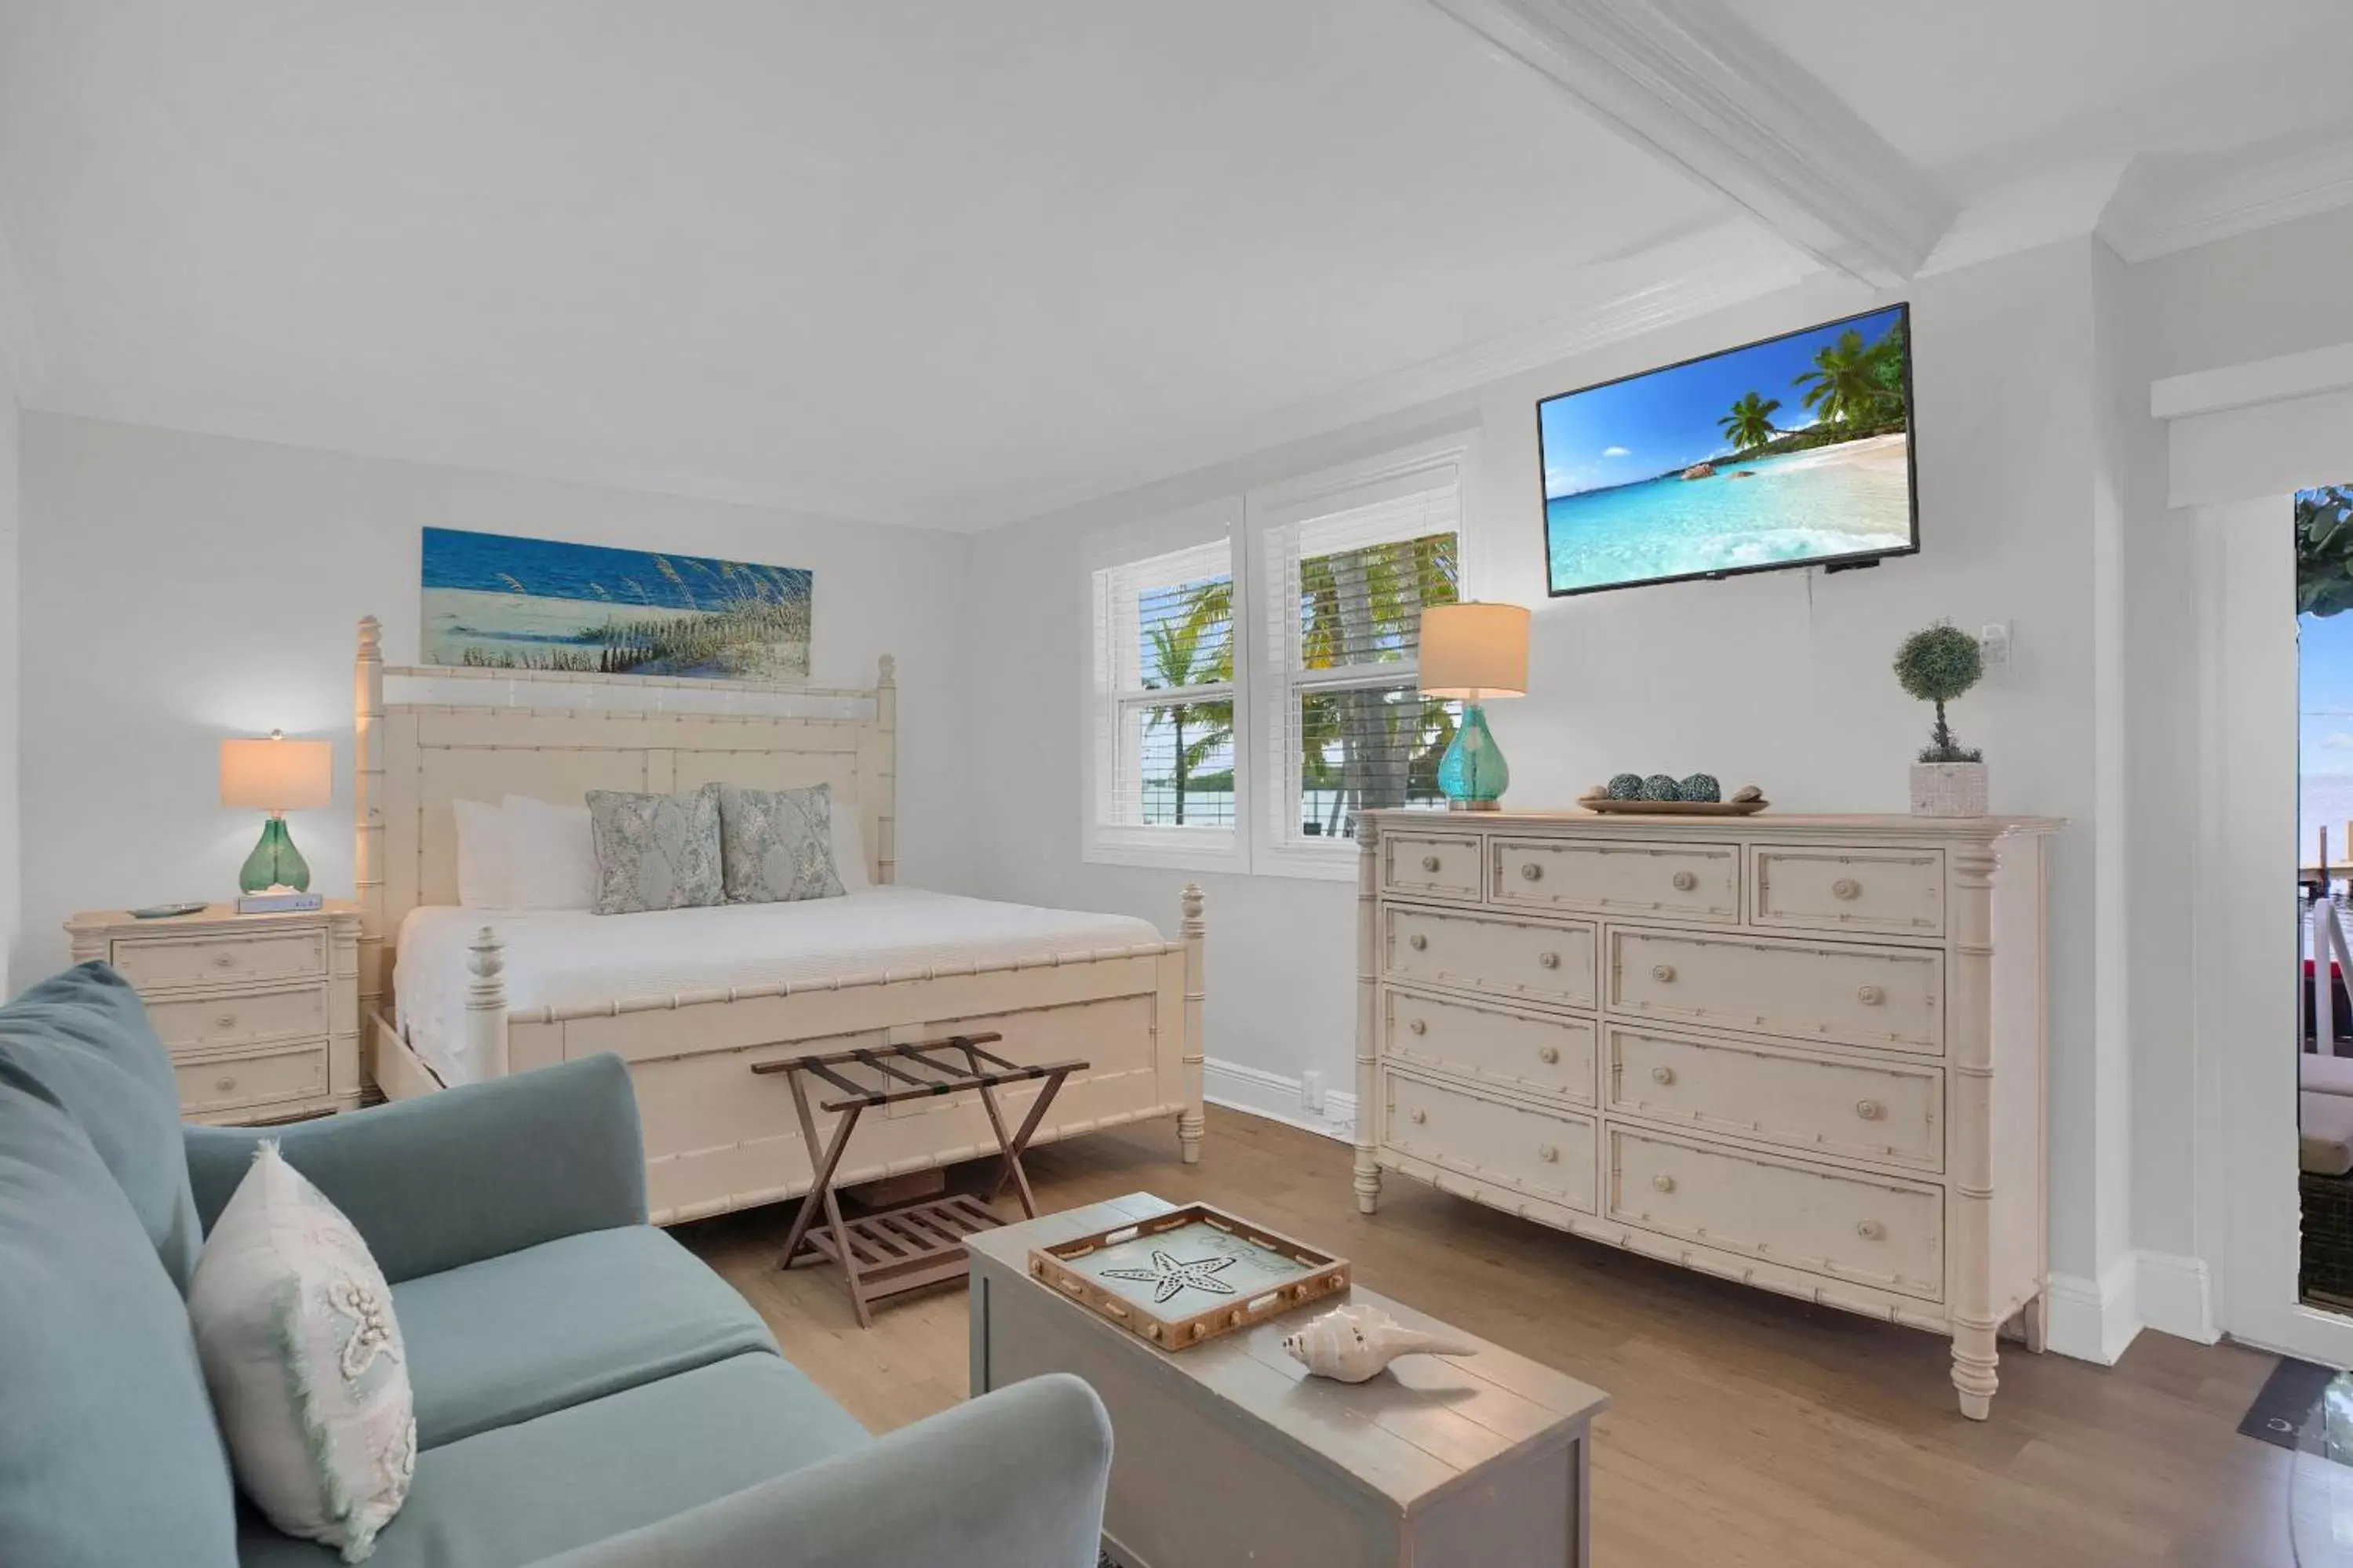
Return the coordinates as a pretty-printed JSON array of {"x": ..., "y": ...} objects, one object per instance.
[{"x": 1164, "y": 686}]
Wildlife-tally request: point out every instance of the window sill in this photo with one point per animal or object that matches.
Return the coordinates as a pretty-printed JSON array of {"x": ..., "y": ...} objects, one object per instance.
[{"x": 1146, "y": 847}]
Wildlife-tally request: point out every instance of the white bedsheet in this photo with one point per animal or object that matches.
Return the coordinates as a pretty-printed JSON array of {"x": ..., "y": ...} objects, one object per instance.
[{"x": 570, "y": 958}]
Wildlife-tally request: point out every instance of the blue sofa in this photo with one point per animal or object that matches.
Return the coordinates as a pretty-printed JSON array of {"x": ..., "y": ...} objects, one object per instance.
[{"x": 589, "y": 1394}]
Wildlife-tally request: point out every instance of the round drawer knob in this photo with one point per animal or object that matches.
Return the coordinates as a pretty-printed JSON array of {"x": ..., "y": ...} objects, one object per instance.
[
  {"x": 1418, "y": 1114},
  {"x": 1846, "y": 888},
  {"x": 1531, "y": 870},
  {"x": 224, "y": 961},
  {"x": 1869, "y": 1109},
  {"x": 1549, "y": 959},
  {"x": 1870, "y": 1230},
  {"x": 1870, "y": 995},
  {"x": 226, "y": 1021},
  {"x": 224, "y": 1084},
  {"x": 1665, "y": 1184},
  {"x": 1663, "y": 1075},
  {"x": 1548, "y": 1055},
  {"x": 1663, "y": 974},
  {"x": 1417, "y": 942},
  {"x": 1429, "y": 862},
  {"x": 1548, "y": 1155},
  {"x": 1416, "y": 1026},
  {"x": 1685, "y": 881}
]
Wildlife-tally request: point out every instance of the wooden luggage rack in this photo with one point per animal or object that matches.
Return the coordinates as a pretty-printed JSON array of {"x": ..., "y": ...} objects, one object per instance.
[{"x": 907, "y": 1249}]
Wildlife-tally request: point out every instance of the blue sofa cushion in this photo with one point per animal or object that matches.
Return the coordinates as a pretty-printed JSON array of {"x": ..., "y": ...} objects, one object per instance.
[
  {"x": 515, "y": 1337},
  {"x": 81, "y": 1041},
  {"x": 516, "y": 1494},
  {"x": 108, "y": 1450}
]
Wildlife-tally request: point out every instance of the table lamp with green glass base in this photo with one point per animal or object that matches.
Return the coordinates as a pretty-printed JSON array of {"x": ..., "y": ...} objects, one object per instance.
[
  {"x": 276, "y": 775},
  {"x": 1475, "y": 652}
]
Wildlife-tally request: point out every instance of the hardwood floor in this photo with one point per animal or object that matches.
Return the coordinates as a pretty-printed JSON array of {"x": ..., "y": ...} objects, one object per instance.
[{"x": 1747, "y": 1428}]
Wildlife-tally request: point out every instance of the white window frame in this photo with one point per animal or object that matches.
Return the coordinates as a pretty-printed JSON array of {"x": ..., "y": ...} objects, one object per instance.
[
  {"x": 1277, "y": 847},
  {"x": 1104, "y": 840}
]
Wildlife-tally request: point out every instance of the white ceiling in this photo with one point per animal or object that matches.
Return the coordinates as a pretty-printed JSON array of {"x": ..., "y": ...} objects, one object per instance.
[
  {"x": 907, "y": 260},
  {"x": 891, "y": 259}
]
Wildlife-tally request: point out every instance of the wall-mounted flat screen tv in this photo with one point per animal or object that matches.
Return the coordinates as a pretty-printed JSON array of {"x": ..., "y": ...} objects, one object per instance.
[{"x": 1796, "y": 451}]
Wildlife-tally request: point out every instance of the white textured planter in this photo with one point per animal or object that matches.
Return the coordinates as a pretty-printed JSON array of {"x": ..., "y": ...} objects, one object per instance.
[{"x": 1948, "y": 789}]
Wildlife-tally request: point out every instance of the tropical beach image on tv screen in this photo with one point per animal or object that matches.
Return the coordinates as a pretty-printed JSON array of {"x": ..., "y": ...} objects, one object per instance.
[
  {"x": 1789, "y": 451},
  {"x": 501, "y": 602}
]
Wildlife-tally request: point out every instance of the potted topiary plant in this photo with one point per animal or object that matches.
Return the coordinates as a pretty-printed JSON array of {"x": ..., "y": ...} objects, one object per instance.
[{"x": 1938, "y": 665}]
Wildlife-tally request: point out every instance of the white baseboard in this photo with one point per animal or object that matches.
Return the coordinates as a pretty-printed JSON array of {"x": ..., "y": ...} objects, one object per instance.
[
  {"x": 2094, "y": 1321},
  {"x": 1276, "y": 1097}
]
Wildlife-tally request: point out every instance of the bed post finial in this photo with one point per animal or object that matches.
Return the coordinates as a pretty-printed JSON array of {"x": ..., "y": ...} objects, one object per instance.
[
  {"x": 486, "y": 1006},
  {"x": 367, "y": 815},
  {"x": 879, "y": 770},
  {"x": 1189, "y": 1121}
]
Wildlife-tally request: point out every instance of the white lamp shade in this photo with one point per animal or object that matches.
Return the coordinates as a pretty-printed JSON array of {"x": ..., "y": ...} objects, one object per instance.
[
  {"x": 1474, "y": 650},
  {"x": 276, "y": 774}
]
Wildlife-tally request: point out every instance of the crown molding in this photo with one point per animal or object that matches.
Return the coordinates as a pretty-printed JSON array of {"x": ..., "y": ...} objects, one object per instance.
[
  {"x": 1714, "y": 269},
  {"x": 1697, "y": 86},
  {"x": 2165, "y": 204}
]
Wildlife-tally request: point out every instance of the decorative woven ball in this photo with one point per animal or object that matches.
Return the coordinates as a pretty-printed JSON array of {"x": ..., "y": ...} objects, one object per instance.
[
  {"x": 1626, "y": 786},
  {"x": 1700, "y": 786},
  {"x": 1659, "y": 786}
]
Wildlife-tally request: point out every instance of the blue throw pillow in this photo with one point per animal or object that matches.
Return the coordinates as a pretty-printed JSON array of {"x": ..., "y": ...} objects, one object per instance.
[{"x": 80, "y": 1042}]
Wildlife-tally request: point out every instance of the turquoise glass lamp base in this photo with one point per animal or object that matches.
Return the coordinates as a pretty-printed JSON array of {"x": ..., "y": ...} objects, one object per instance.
[
  {"x": 1472, "y": 775},
  {"x": 275, "y": 862}
]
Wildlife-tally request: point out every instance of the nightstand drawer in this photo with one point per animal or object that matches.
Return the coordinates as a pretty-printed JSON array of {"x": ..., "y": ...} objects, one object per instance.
[
  {"x": 204, "y": 1023},
  {"x": 236, "y": 1082},
  {"x": 163, "y": 962}
]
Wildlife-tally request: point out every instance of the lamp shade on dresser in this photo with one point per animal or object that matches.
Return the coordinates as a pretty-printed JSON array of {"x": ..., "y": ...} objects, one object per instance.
[{"x": 1806, "y": 1053}]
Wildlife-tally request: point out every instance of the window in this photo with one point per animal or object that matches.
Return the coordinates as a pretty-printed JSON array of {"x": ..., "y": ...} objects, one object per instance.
[
  {"x": 1166, "y": 782},
  {"x": 1255, "y": 688},
  {"x": 1348, "y": 574}
]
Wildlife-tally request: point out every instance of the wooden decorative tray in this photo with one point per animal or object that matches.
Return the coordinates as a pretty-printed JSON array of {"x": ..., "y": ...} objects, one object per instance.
[
  {"x": 1610, "y": 806},
  {"x": 1189, "y": 1274}
]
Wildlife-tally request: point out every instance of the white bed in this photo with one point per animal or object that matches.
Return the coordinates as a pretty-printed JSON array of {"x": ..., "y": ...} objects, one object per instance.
[
  {"x": 694, "y": 999},
  {"x": 567, "y": 961}
]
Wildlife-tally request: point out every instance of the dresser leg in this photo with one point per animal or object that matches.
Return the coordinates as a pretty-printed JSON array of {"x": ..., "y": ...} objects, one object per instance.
[
  {"x": 2038, "y": 1320},
  {"x": 1368, "y": 1183},
  {"x": 1974, "y": 1358}
]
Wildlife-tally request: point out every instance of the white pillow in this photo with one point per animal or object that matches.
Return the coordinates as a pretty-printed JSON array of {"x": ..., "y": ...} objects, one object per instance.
[
  {"x": 308, "y": 1377},
  {"x": 850, "y": 845},
  {"x": 551, "y": 854},
  {"x": 484, "y": 882}
]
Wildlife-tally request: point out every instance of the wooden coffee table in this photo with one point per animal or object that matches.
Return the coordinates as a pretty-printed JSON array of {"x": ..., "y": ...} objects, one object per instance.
[{"x": 1230, "y": 1453}]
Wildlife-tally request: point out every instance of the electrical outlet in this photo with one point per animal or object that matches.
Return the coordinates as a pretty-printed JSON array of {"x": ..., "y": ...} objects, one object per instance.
[
  {"x": 1993, "y": 645},
  {"x": 1311, "y": 1092}
]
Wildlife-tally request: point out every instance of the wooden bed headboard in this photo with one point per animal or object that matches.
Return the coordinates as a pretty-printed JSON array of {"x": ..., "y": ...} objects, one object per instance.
[{"x": 555, "y": 735}]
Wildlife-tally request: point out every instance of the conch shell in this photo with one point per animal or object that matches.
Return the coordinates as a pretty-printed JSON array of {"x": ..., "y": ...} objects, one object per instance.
[{"x": 1352, "y": 1343}]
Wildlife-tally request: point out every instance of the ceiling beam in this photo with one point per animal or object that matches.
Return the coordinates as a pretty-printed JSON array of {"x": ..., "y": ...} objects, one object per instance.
[{"x": 1698, "y": 87}]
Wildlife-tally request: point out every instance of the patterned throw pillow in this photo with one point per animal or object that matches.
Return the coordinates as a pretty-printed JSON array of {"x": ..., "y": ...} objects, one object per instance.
[
  {"x": 655, "y": 851},
  {"x": 293, "y": 1324},
  {"x": 778, "y": 844}
]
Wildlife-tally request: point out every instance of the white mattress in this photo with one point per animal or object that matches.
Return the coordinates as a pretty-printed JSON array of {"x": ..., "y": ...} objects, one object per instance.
[{"x": 570, "y": 958}]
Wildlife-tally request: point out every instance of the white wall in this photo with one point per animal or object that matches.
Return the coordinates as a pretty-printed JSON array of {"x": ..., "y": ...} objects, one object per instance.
[
  {"x": 1781, "y": 679},
  {"x": 182, "y": 588},
  {"x": 10, "y": 836}
]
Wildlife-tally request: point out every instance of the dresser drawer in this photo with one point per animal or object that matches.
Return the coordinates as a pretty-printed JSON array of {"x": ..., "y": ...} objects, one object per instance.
[
  {"x": 161, "y": 963},
  {"x": 203, "y": 1023},
  {"x": 1534, "y": 1054},
  {"x": 1430, "y": 865},
  {"x": 1689, "y": 881},
  {"x": 1488, "y": 952},
  {"x": 1891, "y": 998},
  {"x": 1868, "y": 1229},
  {"x": 236, "y": 1082},
  {"x": 1899, "y": 892},
  {"x": 1862, "y": 1110},
  {"x": 1545, "y": 1154}
]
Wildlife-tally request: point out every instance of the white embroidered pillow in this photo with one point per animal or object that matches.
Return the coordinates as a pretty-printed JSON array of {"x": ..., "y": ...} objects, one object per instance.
[{"x": 294, "y": 1325}]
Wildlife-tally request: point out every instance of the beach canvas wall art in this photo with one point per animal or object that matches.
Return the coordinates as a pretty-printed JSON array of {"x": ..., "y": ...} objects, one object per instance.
[
  {"x": 1793, "y": 452},
  {"x": 493, "y": 601}
]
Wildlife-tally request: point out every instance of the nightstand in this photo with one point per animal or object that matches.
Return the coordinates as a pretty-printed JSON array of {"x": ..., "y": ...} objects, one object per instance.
[{"x": 260, "y": 1013}]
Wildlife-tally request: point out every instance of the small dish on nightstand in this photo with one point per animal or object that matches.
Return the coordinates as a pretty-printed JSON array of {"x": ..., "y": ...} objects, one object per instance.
[{"x": 166, "y": 911}]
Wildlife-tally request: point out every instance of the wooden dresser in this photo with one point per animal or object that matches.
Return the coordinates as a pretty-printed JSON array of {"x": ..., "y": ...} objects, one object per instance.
[
  {"x": 1802, "y": 1052},
  {"x": 261, "y": 1013}
]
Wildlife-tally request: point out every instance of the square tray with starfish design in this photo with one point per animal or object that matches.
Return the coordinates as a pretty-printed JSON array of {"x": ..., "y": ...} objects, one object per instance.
[{"x": 1189, "y": 1275}]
